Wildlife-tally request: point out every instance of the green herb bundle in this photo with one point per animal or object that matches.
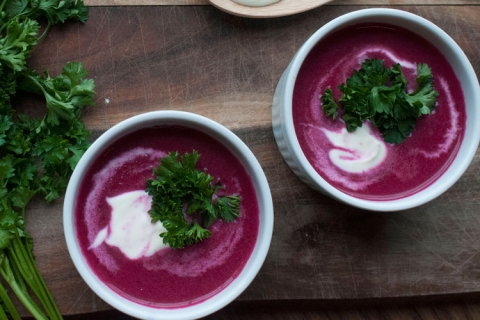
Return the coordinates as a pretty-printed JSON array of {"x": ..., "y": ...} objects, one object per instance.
[
  {"x": 378, "y": 94},
  {"x": 37, "y": 156}
]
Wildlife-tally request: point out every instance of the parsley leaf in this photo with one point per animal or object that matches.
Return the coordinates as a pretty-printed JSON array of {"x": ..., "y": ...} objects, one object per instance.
[
  {"x": 378, "y": 94},
  {"x": 54, "y": 11},
  {"x": 329, "y": 106},
  {"x": 65, "y": 95},
  {"x": 183, "y": 200},
  {"x": 19, "y": 41},
  {"x": 59, "y": 10}
]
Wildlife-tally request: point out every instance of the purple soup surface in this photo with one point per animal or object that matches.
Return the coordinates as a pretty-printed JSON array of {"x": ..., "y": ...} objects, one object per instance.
[
  {"x": 170, "y": 278},
  {"x": 420, "y": 159}
]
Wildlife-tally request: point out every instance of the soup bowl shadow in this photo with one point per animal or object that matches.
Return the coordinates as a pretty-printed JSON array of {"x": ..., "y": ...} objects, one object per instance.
[
  {"x": 283, "y": 123},
  {"x": 262, "y": 191}
]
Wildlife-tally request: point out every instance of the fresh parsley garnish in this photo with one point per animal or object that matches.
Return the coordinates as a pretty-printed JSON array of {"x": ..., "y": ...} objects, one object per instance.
[
  {"x": 378, "y": 94},
  {"x": 185, "y": 200}
]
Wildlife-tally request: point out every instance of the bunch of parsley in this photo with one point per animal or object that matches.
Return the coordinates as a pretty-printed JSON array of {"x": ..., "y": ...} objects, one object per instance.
[
  {"x": 180, "y": 191},
  {"x": 37, "y": 156},
  {"x": 379, "y": 94}
]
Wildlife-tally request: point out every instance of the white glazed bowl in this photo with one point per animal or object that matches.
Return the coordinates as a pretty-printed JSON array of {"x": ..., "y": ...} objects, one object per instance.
[
  {"x": 282, "y": 119},
  {"x": 245, "y": 156}
]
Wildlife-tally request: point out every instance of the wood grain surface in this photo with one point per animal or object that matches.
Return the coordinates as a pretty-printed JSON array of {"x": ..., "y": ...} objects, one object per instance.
[
  {"x": 199, "y": 59},
  {"x": 458, "y": 307},
  {"x": 335, "y": 2}
]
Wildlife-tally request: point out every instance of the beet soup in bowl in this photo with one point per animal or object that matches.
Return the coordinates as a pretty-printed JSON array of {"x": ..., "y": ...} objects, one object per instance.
[
  {"x": 365, "y": 167},
  {"x": 117, "y": 249}
]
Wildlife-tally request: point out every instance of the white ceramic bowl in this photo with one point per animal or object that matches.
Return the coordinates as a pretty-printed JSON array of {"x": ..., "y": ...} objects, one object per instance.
[
  {"x": 283, "y": 126},
  {"x": 246, "y": 157}
]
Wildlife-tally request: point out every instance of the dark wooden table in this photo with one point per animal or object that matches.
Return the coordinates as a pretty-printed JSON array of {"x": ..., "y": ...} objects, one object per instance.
[{"x": 324, "y": 255}]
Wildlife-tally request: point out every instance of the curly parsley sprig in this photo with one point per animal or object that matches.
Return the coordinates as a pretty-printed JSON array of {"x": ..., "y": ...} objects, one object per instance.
[
  {"x": 180, "y": 191},
  {"x": 379, "y": 94}
]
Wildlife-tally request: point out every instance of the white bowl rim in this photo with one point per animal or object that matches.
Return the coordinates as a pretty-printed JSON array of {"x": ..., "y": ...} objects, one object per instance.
[
  {"x": 410, "y": 201},
  {"x": 253, "y": 265}
]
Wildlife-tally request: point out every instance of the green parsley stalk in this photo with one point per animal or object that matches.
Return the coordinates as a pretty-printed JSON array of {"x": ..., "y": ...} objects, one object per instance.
[
  {"x": 7, "y": 304},
  {"x": 37, "y": 156}
]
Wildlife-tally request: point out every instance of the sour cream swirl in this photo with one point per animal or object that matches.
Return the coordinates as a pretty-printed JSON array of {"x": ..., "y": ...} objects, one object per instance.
[
  {"x": 357, "y": 151},
  {"x": 130, "y": 228}
]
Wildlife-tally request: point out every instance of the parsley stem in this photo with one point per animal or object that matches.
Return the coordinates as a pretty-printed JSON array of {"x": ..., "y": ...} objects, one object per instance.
[
  {"x": 45, "y": 31},
  {"x": 1, "y": 10},
  {"x": 22, "y": 295},
  {"x": 18, "y": 276},
  {"x": 2, "y": 5},
  {"x": 48, "y": 298},
  {"x": 30, "y": 273},
  {"x": 9, "y": 304},
  {"x": 3, "y": 315}
]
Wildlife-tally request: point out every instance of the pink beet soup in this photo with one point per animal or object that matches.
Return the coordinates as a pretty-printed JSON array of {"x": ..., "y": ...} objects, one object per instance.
[
  {"x": 420, "y": 159},
  {"x": 170, "y": 278}
]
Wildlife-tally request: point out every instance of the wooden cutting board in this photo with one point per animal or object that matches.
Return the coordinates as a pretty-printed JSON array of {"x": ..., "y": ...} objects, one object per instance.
[
  {"x": 335, "y": 2},
  {"x": 199, "y": 59}
]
